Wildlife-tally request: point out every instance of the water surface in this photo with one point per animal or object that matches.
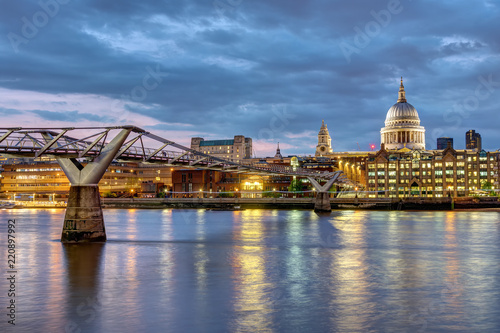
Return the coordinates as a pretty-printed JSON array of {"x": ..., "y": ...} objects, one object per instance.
[{"x": 258, "y": 270}]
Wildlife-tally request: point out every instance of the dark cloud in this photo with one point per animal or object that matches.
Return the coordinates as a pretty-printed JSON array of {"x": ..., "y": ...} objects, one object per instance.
[
  {"x": 230, "y": 67},
  {"x": 219, "y": 36},
  {"x": 9, "y": 112}
]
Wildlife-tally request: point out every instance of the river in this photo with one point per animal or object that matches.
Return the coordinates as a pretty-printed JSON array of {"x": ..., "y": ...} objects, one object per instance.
[{"x": 257, "y": 271}]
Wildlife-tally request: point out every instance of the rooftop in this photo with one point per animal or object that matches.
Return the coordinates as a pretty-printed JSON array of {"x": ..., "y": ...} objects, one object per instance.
[{"x": 217, "y": 143}]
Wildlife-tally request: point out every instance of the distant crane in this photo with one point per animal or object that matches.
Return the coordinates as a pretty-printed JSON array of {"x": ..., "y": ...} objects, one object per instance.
[{"x": 359, "y": 148}]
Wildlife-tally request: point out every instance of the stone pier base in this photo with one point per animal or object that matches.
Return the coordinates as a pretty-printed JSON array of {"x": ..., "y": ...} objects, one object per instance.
[
  {"x": 83, "y": 221},
  {"x": 322, "y": 202}
]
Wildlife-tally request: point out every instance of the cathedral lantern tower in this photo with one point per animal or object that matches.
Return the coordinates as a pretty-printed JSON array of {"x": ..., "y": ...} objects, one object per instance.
[{"x": 324, "y": 146}]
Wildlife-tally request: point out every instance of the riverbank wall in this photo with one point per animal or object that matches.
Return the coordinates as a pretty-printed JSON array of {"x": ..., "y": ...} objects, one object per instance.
[{"x": 446, "y": 203}]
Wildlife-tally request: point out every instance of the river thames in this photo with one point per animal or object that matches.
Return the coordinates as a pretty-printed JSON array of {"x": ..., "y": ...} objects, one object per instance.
[{"x": 257, "y": 271}]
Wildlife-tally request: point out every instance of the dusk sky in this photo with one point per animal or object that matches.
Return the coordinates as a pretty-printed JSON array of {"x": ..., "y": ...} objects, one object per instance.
[{"x": 267, "y": 69}]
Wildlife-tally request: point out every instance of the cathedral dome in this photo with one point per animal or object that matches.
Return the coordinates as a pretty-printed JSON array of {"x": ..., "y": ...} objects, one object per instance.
[{"x": 402, "y": 112}]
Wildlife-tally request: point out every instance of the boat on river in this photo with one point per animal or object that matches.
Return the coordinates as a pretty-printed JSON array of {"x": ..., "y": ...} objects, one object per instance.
[{"x": 7, "y": 205}]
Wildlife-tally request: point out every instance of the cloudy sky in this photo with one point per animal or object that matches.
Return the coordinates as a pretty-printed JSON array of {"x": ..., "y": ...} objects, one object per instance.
[{"x": 266, "y": 69}]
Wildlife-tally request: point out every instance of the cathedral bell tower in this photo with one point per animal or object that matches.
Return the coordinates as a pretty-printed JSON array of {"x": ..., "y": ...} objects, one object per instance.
[{"x": 324, "y": 146}]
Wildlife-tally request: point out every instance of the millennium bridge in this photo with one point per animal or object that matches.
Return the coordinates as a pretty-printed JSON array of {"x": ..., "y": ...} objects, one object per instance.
[{"x": 84, "y": 154}]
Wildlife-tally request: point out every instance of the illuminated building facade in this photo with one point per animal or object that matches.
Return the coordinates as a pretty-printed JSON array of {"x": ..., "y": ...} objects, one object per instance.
[
  {"x": 405, "y": 172},
  {"x": 198, "y": 183},
  {"x": 45, "y": 180}
]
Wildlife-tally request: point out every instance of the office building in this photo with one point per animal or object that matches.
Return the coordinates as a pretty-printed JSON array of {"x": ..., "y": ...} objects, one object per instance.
[
  {"x": 233, "y": 150},
  {"x": 473, "y": 140},
  {"x": 442, "y": 143}
]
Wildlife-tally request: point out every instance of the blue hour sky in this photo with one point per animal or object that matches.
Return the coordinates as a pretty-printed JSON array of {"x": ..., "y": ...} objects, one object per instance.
[{"x": 267, "y": 69}]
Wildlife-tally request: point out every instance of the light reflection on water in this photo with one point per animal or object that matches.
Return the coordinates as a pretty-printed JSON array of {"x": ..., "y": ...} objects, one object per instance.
[{"x": 260, "y": 270}]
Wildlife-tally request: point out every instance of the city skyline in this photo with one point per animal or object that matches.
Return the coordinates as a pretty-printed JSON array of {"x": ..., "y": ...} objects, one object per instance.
[{"x": 266, "y": 70}]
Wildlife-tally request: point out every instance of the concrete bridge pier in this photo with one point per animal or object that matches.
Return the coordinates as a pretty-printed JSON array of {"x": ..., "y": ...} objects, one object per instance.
[
  {"x": 84, "y": 221},
  {"x": 322, "y": 203}
]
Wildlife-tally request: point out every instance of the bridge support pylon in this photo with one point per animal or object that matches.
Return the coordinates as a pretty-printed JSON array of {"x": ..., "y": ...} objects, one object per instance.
[
  {"x": 322, "y": 203},
  {"x": 84, "y": 221}
]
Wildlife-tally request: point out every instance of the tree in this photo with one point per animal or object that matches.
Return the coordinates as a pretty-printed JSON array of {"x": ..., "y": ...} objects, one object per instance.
[
  {"x": 486, "y": 185},
  {"x": 296, "y": 185},
  {"x": 271, "y": 194},
  {"x": 225, "y": 195},
  {"x": 109, "y": 195}
]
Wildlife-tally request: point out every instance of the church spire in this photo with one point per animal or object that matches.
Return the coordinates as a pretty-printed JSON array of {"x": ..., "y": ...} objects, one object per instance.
[
  {"x": 402, "y": 94},
  {"x": 278, "y": 153}
]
